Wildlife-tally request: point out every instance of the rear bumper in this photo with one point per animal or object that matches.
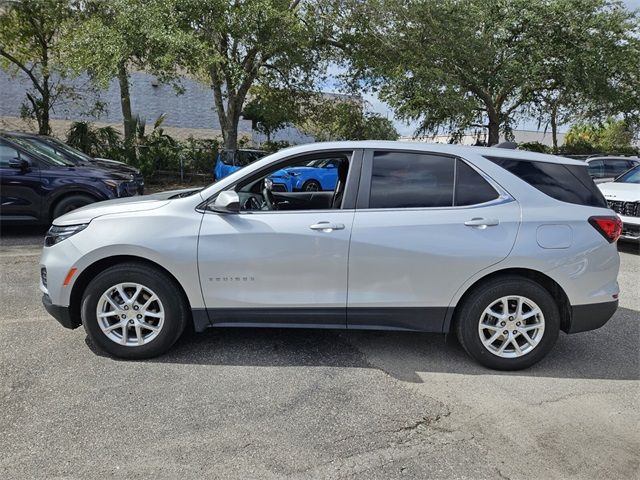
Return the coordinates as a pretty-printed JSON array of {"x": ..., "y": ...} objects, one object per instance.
[
  {"x": 591, "y": 316},
  {"x": 61, "y": 314}
]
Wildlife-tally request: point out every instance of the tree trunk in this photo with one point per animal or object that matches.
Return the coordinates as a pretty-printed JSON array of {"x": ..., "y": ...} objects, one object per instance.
[
  {"x": 42, "y": 112},
  {"x": 230, "y": 135},
  {"x": 554, "y": 128},
  {"x": 494, "y": 132},
  {"x": 125, "y": 104}
]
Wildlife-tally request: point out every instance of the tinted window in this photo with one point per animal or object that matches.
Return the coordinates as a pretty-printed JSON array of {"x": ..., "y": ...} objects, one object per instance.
[
  {"x": 7, "y": 153},
  {"x": 613, "y": 168},
  {"x": 407, "y": 180},
  {"x": 471, "y": 188},
  {"x": 596, "y": 168},
  {"x": 567, "y": 183}
]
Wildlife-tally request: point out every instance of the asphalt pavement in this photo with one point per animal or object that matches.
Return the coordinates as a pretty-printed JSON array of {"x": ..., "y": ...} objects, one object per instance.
[{"x": 250, "y": 403}]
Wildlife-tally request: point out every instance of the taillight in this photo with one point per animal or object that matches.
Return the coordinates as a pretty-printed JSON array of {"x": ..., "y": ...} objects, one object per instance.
[{"x": 609, "y": 227}]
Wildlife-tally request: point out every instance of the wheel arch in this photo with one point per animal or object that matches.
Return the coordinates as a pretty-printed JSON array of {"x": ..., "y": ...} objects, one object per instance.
[
  {"x": 548, "y": 283},
  {"x": 81, "y": 283},
  {"x": 56, "y": 198}
]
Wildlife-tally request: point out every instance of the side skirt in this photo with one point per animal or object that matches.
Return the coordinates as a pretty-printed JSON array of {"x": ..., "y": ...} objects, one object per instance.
[{"x": 413, "y": 319}]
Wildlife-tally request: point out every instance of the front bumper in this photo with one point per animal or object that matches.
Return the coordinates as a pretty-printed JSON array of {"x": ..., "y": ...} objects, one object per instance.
[
  {"x": 61, "y": 314},
  {"x": 591, "y": 316}
]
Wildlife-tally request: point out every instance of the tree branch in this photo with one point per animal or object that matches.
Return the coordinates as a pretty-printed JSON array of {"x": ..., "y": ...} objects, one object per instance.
[{"x": 23, "y": 67}]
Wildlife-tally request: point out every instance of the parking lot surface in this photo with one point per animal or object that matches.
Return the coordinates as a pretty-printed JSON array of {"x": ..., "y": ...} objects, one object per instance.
[{"x": 250, "y": 403}]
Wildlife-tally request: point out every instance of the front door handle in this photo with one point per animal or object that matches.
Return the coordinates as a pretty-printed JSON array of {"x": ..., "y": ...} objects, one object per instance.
[
  {"x": 482, "y": 222},
  {"x": 327, "y": 226}
]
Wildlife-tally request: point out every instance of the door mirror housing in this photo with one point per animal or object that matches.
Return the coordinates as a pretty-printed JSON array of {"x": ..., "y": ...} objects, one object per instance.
[
  {"x": 19, "y": 163},
  {"x": 227, "y": 202}
]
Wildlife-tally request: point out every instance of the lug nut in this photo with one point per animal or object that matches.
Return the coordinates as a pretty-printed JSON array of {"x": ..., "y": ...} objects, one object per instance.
[
  {"x": 135, "y": 307},
  {"x": 517, "y": 324},
  {"x": 502, "y": 324},
  {"x": 510, "y": 318},
  {"x": 138, "y": 316},
  {"x": 506, "y": 332},
  {"x": 126, "y": 307},
  {"x": 124, "y": 316},
  {"x": 130, "y": 322},
  {"x": 515, "y": 331}
]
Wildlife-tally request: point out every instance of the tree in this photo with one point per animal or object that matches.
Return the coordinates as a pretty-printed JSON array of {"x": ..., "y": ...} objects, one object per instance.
[
  {"x": 271, "y": 109},
  {"x": 236, "y": 45},
  {"x": 591, "y": 62},
  {"x": 613, "y": 137},
  {"x": 118, "y": 36},
  {"x": 346, "y": 119},
  {"x": 31, "y": 35},
  {"x": 461, "y": 64}
]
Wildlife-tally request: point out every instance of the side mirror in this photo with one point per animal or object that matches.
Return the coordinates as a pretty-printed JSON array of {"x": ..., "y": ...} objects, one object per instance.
[
  {"x": 19, "y": 163},
  {"x": 227, "y": 202}
]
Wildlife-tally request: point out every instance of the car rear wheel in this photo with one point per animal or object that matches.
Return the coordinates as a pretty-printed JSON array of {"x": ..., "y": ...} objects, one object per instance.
[
  {"x": 311, "y": 186},
  {"x": 133, "y": 311},
  {"x": 509, "y": 323},
  {"x": 71, "y": 202}
]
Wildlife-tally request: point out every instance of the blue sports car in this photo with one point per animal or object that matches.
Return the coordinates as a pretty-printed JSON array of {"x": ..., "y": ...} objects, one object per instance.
[{"x": 315, "y": 176}]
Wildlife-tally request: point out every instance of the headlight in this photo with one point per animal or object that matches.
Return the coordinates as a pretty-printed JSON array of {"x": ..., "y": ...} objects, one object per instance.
[
  {"x": 114, "y": 186},
  {"x": 57, "y": 234}
]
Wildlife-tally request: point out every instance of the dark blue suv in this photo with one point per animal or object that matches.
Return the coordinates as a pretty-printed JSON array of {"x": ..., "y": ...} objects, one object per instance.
[{"x": 37, "y": 186}]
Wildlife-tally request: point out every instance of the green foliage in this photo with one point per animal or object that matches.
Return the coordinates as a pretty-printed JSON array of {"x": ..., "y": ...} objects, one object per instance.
[
  {"x": 534, "y": 147},
  {"x": 156, "y": 151},
  {"x": 271, "y": 109},
  {"x": 274, "y": 146},
  {"x": 336, "y": 119},
  {"x": 236, "y": 45},
  {"x": 31, "y": 39},
  {"x": 612, "y": 137},
  {"x": 460, "y": 64}
]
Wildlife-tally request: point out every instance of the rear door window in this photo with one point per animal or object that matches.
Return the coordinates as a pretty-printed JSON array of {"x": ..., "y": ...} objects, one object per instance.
[
  {"x": 567, "y": 183},
  {"x": 411, "y": 180}
]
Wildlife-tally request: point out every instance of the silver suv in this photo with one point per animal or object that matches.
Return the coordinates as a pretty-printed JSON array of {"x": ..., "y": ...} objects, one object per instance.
[{"x": 504, "y": 248}]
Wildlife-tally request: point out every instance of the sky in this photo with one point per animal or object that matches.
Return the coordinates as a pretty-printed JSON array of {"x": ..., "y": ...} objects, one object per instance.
[{"x": 403, "y": 128}]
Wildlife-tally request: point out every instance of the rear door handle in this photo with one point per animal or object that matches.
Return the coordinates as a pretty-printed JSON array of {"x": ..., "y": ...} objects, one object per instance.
[
  {"x": 482, "y": 222},
  {"x": 327, "y": 226}
]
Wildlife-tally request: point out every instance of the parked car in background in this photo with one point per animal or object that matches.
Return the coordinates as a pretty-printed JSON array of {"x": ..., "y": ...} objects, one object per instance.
[
  {"x": 37, "y": 186},
  {"x": 77, "y": 157},
  {"x": 503, "y": 248},
  {"x": 229, "y": 161},
  {"x": 606, "y": 169},
  {"x": 316, "y": 176},
  {"x": 623, "y": 197}
]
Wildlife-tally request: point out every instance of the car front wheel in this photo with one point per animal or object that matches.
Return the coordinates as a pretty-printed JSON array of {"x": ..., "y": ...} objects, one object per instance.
[
  {"x": 508, "y": 324},
  {"x": 133, "y": 311}
]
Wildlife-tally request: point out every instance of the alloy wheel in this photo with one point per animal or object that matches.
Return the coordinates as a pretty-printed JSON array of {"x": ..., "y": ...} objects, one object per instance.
[
  {"x": 130, "y": 314},
  {"x": 511, "y": 326}
]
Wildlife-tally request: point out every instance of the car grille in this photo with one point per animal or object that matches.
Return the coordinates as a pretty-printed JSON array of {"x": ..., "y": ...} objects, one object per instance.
[
  {"x": 128, "y": 189},
  {"x": 628, "y": 209}
]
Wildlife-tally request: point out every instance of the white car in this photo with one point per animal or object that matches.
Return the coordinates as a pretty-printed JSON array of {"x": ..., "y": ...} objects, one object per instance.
[{"x": 623, "y": 197}]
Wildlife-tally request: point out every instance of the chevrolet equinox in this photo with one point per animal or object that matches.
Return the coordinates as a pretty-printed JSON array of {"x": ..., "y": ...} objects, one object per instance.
[{"x": 504, "y": 248}]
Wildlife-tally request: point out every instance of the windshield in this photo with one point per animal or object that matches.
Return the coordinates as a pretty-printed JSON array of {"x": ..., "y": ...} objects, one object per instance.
[
  {"x": 630, "y": 176},
  {"x": 43, "y": 152},
  {"x": 73, "y": 153}
]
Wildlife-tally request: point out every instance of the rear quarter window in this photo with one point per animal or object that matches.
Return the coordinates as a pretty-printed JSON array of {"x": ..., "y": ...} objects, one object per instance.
[{"x": 567, "y": 183}]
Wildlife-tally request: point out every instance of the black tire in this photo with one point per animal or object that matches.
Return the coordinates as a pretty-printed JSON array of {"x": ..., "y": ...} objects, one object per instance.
[
  {"x": 311, "y": 186},
  {"x": 470, "y": 313},
  {"x": 71, "y": 202},
  {"x": 175, "y": 309}
]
